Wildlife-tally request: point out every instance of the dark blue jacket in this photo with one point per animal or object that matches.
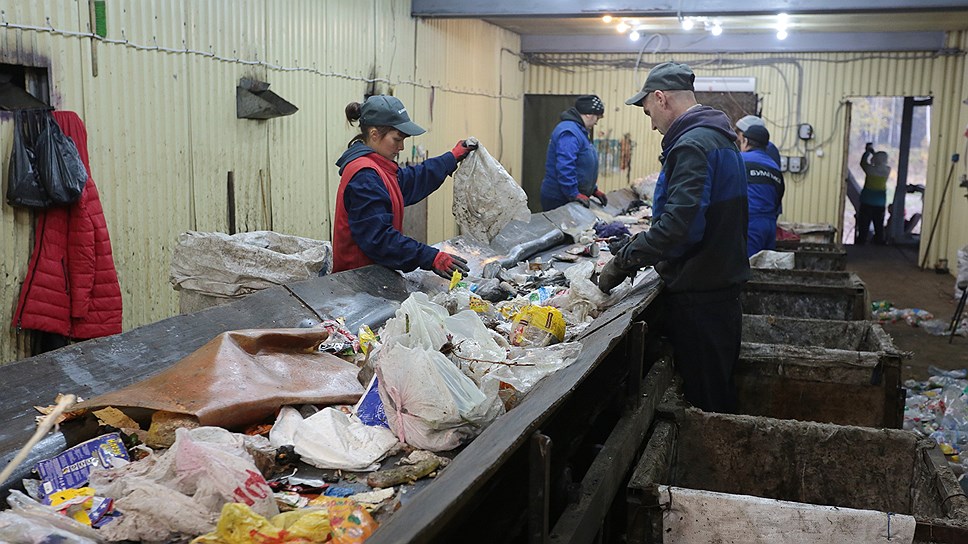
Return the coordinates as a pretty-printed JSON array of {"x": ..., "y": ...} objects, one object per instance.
[
  {"x": 370, "y": 213},
  {"x": 571, "y": 165},
  {"x": 773, "y": 153},
  {"x": 766, "y": 189},
  {"x": 698, "y": 237}
]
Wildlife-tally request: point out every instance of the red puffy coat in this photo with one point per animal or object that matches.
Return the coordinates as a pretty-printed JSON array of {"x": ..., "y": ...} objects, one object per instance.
[{"x": 72, "y": 286}]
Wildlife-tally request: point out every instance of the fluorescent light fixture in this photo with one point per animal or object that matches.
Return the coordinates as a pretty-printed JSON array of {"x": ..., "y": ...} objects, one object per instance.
[{"x": 725, "y": 84}]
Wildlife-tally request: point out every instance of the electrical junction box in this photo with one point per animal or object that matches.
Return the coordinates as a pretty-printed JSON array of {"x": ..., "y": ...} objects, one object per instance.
[
  {"x": 795, "y": 165},
  {"x": 784, "y": 161},
  {"x": 805, "y": 131}
]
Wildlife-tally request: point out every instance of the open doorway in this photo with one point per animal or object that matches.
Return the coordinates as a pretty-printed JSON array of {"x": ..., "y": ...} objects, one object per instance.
[{"x": 900, "y": 127}]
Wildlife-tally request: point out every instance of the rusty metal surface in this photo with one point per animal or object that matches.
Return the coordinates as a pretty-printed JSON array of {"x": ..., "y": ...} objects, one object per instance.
[{"x": 243, "y": 377}]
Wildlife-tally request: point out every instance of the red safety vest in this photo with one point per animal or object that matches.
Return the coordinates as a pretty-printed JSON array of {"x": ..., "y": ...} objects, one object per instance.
[{"x": 347, "y": 255}]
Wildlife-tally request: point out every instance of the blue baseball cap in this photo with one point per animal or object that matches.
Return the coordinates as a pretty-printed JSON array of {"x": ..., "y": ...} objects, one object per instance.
[{"x": 388, "y": 111}]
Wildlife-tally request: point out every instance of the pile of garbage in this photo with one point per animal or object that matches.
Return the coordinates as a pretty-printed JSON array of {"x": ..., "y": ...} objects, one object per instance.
[
  {"x": 884, "y": 311},
  {"x": 310, "y": 434},
  {"x": 938, "y": 408}
]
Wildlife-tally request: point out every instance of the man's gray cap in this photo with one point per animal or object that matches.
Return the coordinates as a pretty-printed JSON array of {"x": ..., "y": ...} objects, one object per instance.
[
  {"x": 748, "y": 121},
  {"x": 668, "y": 76},
  {"x": 388, "y": 111}
]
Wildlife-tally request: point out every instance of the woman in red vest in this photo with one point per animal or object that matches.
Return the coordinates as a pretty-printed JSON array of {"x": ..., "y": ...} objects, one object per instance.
[{"x": 373, "y": 190}]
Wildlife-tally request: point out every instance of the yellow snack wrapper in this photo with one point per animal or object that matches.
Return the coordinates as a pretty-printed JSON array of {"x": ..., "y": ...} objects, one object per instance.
[
  {"x": 537, "y": 326},
  {"x": 238, "y": 524}
]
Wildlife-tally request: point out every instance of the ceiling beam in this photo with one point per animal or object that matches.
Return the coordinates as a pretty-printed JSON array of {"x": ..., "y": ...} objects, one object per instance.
[
  {"x": 737, "y": 43},
  {"x": 577, "y": 8}
]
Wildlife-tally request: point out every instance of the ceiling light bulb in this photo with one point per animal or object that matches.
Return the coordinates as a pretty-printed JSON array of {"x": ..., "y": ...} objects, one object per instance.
[
  {"x": 782, "y": 17},
  {"x": 634, "y": 36},
  {"x": 607, "y": 19},
  {"x": 687, "y": 24},
  {"x": 716, "y": 30},
  {"x": 781, "y": 34},
  {"x": 622, "y": 27}
]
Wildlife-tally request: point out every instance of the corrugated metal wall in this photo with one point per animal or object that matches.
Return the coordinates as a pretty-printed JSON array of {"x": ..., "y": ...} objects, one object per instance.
[
  {"x": 163, "y": 134},
  {"x": 795, "y": 88}
]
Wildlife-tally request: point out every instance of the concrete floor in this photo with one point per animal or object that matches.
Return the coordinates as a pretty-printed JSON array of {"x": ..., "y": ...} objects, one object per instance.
[{"x": 892, "y": 273}]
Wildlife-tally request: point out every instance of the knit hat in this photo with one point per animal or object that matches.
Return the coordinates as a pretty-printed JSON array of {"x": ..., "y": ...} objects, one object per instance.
[
  {"x": 668, "y": 76},
  {"x": 757, "y": 134},
  {"x": 590, "y": 103},
  {"x": 750, "y": 120},
  {"x": 387, "y": 111}
]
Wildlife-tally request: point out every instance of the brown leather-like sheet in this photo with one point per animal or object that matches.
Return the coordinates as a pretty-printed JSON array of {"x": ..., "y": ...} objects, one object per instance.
[{"x": 243, "y": 377}]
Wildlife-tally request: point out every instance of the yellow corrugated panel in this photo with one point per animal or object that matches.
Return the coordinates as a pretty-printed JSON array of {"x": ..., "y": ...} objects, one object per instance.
[{"x": 162, "y": 125}]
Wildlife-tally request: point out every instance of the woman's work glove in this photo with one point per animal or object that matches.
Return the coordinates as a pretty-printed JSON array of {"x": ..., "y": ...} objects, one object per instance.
[
  {"x": 601, "y": 197},
  {"x": 583, "y": 200},
  {"x": 464, "y": 148},
  {"x": 612, "y": 276},
  {"x": 445, "y": 264}
]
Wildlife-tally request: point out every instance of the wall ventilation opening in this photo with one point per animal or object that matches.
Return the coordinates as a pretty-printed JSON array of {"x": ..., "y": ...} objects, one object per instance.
[{"x": 23, "y": 87}]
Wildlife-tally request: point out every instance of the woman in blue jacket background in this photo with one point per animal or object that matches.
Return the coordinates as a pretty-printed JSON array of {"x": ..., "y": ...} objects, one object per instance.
[{"x": 571, "y": 167}]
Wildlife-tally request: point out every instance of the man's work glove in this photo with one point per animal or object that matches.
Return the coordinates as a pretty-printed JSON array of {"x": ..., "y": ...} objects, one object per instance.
[
  {"x": 612, "y": 276},
  {"x": 601, "y": 197},
  {"x": 464, "y": 148},
  {"x": 583, "y": 200},
  {"x": 445, "y": 264}
]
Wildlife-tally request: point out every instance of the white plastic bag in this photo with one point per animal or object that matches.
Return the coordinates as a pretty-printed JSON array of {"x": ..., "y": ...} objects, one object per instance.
[
  {"x": 781, "y": 260},
  {"x": 283, "y": 431},
  {"x": 331, "y": 439},
  {"x": 486, "y": 197},
  {"x": 471, "y": 339},
  {"x": 220, "y": 265},
  {"x": 962, "y": 270},
  {"x": 181, "y": 492},
  {"x": 429, "y": 403},
  {"x": 418, "y": 322}
]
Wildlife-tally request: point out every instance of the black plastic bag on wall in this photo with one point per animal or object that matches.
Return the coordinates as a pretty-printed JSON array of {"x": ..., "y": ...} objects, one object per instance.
[
  {"x": 45, "y": 168},
  {"x": 62, "y": 172},
  {"x": 24, "y": 188}
]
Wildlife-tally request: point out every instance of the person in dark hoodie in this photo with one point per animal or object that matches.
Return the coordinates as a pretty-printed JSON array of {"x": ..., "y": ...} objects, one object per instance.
[
  {"x": 766, "y": 189},
  {"x": 697, "y": 241},
  {"x": 571, "y": 166},
  {"x": 373, "y": 191}
]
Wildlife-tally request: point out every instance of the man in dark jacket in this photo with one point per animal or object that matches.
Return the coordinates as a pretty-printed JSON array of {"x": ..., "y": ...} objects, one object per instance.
[
  {"x": 698, "y": 237},
  {"x": 766, "y": 189},
  {"x": 571, "y": 166}
]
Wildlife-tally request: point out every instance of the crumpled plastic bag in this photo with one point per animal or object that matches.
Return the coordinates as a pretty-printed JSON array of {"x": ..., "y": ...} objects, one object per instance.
[
  {"x": 780, "y": 260},
  {"x": 486, "y": 197},
  {"x": 182, "y": 491},
  {"x": 584, "y": 298},
  {"x": 330, "y": 439},
  {"x": 29, "y": 522},
  {"x": 232, "y": 266},
  {"x": 529, "y": 366},
  {"x": 429, "y": 403},
  {"x": 238, "y": 524}
]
